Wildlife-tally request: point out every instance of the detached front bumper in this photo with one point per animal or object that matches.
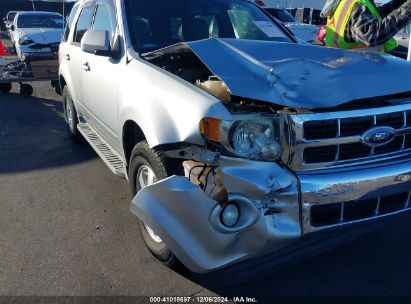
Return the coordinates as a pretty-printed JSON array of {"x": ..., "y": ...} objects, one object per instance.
[{"x": 279, "y": 208}]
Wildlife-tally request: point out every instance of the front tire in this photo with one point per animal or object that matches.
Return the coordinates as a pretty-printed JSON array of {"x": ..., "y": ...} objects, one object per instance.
[
  {"x": 70, "y": 117},
  {"x": 146, "y": 167}
]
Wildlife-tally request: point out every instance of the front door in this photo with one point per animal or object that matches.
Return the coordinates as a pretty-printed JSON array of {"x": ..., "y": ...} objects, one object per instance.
[{"x": 100, "y": 80}]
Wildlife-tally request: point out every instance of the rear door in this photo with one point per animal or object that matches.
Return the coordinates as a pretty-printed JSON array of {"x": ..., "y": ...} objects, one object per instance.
[{"x": 100, "y": 78}]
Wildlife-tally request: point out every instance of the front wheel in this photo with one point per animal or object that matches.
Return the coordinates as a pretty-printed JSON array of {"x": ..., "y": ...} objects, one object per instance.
[{"x": 147, "y": 167}]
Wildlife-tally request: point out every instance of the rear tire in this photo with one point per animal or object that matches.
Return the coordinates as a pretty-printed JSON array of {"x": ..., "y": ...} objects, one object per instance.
[
  {"x": 142, "y": 160},
  {"x": 70, "y": 117},
  {"x": 5, "y": 87}
]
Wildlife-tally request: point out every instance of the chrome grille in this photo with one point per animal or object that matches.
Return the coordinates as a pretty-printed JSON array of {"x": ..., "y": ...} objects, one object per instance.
[
  {"x": 322, "y": 140},
  {"x": 352, "y": 211}
]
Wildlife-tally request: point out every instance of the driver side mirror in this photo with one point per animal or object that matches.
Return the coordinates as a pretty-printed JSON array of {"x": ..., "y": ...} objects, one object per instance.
[
  {"x": 98, "y": 43},
  {"x": 12, "y": 27}
]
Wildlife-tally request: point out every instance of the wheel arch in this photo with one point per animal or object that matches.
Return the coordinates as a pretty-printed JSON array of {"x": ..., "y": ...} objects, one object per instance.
[
  {"x": 131, "y": 135},
  {"x": 62, "y": 82}
]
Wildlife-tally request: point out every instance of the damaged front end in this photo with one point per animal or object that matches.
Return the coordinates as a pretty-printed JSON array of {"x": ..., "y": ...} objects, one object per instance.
[{"x": 292, "y": 161}]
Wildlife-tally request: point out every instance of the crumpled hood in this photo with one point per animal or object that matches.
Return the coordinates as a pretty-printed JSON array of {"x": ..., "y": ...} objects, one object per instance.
[
  {"x": 42, "y": 35},
  {"x": 329, "y": 8},
  {"x": 301, "y": 76}
]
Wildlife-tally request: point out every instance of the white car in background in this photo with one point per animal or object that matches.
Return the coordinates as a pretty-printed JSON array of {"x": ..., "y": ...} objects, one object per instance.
[
  {"x": 37, "y": 34},
  {"x": 304, "y": 32}
]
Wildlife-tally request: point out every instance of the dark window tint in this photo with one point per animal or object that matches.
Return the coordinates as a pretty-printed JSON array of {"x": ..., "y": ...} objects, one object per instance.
[
  {"x": 83, "y": 23},
  {"x": 105, "y": 20},
  {"x": 70, "y": 22}
]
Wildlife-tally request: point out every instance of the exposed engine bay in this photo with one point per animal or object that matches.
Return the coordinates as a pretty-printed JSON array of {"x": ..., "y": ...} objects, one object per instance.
[{"x": 185, "y": 64}]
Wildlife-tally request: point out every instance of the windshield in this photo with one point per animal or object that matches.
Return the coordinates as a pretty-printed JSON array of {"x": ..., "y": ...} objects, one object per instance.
[
  {"x": 10, "y": 16},
  {"x": 39, "y": 21},
  {"x": 282, "y": 15},
  {"x": 157, "y": 24}
]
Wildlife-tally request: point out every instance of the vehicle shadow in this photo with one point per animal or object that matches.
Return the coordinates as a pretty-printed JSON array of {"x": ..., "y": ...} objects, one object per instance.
[{"x": 33, "y": 135}]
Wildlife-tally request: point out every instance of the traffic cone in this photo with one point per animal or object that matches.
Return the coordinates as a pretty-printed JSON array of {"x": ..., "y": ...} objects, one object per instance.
[{"x": 3, "y": 51}]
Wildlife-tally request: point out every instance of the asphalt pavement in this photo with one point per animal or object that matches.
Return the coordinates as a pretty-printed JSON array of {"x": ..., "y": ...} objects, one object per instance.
[{"x": 66, "y": 229}]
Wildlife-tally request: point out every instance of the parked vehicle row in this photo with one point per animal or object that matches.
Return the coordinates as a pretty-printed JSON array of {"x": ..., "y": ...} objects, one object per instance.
[{"x": 239, "y": 142}]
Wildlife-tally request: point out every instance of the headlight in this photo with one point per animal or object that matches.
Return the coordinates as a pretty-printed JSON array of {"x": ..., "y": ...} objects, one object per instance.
[
  {"x": 230, "y": 215},
  {"x": 25, "y": 40},
  {"x": 255, "y": 140},
  {"x": 248, "y": 137}
]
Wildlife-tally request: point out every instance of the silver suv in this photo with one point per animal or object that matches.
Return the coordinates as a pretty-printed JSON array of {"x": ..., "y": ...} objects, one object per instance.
[{"x": 238, "y": 142}]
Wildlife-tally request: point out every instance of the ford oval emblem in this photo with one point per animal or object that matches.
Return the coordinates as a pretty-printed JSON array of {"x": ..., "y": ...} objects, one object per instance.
[{"x": 378, "y": 136}]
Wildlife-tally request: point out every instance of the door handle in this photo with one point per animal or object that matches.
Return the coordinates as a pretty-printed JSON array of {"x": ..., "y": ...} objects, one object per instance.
[
  {"x": 86, "y": 67},
  {"x": 67, "y": 57}
]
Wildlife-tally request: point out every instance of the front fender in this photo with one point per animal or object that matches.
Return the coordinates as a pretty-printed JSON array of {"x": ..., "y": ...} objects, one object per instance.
[{"x": 166, "y": 108}]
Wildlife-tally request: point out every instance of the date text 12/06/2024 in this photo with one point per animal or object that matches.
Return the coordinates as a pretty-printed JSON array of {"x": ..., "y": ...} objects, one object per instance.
[{"x": 202, "y": 299}]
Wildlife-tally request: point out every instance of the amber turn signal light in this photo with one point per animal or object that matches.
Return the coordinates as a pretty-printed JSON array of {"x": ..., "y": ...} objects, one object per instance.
[{"x": 210, "y": 128}]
